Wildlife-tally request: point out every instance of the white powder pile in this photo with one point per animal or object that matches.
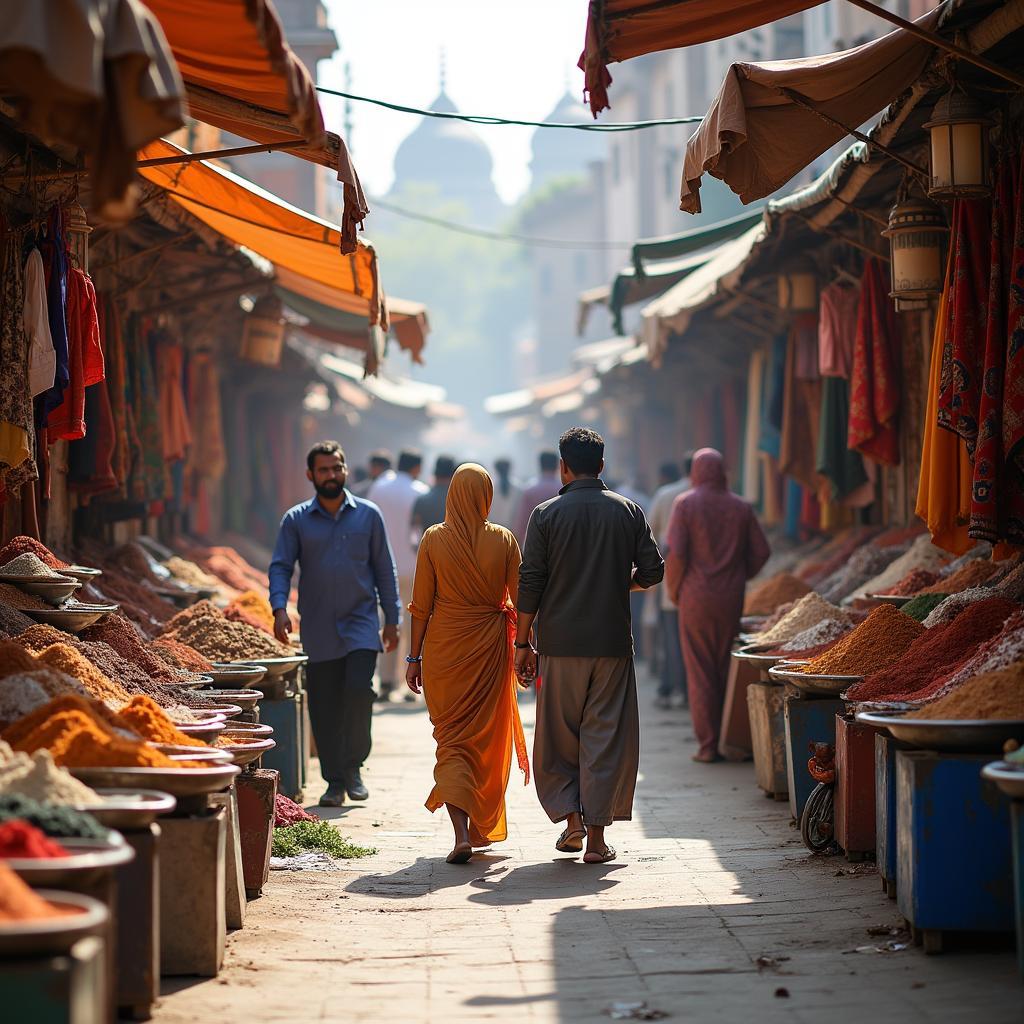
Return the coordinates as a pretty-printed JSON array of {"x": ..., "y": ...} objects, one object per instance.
[
  {"x": 808, "y": 611},
  {"x": 36, "y": 776},
  {"x": 29, "y": 564},
  {"x": 821, "y": 633}
]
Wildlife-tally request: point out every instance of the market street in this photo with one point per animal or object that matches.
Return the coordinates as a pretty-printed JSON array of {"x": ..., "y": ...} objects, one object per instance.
[{"x": 711, "y": 878}]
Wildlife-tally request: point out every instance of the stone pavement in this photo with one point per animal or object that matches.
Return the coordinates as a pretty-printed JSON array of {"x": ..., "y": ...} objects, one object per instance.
[{"x": 711, "y": 879}]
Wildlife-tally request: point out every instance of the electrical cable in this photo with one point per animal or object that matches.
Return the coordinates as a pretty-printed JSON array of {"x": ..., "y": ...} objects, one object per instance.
[{"x": 610, "y": 126}]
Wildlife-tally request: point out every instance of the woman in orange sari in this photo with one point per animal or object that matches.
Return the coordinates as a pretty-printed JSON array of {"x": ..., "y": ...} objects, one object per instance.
[{"x": 463, "y": 628}]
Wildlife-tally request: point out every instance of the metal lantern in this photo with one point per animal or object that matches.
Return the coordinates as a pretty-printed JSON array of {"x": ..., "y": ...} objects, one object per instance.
[
  {"x": 798, "y": 288},
  {"x": 959, "y": 147},
  {"x": 917, "y": 235},
  {"x": 78, "y": 231},
  {"x": 263, "y": 333}
]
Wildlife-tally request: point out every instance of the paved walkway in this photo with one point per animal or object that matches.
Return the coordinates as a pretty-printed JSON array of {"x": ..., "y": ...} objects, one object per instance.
[{"x": 711, "y": 879}]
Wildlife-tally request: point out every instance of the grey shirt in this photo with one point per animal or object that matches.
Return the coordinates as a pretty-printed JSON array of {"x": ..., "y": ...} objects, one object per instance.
[{"x": 581, "y": 549}]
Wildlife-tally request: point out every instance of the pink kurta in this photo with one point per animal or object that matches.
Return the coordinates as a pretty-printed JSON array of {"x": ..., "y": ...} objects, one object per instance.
[{"x": 715, "y": 544}]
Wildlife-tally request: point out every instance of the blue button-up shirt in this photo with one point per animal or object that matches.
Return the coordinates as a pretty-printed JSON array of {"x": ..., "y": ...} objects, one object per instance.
[{"x": 346, "y": 567}]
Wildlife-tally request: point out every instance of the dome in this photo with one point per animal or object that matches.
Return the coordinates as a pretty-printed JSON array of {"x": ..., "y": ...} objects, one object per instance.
[
  {"x": 452, "y": 156},
  {"x": 556, "y": 154}
]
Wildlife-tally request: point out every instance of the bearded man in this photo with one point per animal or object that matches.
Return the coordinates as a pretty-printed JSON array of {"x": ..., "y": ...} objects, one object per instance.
[{"x": 346, "y": 570}]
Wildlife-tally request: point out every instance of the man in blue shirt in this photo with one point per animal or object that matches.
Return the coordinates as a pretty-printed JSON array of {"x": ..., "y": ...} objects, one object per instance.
[{"x": 346, "y": 568}]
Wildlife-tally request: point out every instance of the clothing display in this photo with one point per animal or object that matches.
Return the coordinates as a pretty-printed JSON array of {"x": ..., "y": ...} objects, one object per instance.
[
  {"x": 17, "y": 465},
  {"x": 837, "y": 329},
  {"x": 42, "y": 358}
]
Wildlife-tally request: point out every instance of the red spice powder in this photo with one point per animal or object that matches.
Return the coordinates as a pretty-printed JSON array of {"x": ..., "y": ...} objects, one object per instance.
[
  {"x": 29, "y": 545},
  {"x": 119, "y": 633},
  {"x": 922, "y": 670},
  {"x": 20, "y": 839}
]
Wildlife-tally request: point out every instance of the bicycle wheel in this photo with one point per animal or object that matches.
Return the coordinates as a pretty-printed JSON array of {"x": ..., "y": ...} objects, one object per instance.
[{"x": 817, "y": 819}]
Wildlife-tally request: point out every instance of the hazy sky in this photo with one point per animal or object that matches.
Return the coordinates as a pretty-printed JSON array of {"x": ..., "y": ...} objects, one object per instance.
[{"x": 509, "y": 60}]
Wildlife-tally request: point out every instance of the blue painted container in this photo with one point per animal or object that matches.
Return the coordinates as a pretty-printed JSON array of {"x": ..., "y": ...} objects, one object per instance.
[
  {"x": 291, "y": 755},
  {"x": 885, "y": 809},
  {"x": 954, "y": 870},
  {"x": 808, "y": 720}
]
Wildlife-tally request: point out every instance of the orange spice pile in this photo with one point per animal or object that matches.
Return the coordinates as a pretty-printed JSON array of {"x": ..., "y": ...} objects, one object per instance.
[{"x": 875, "y": 644}]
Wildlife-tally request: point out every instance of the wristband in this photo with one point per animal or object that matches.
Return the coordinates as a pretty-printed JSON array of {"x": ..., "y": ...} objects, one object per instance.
[
  {"x": 409, "y": 660},
  {"x": 522, "y": 647}
]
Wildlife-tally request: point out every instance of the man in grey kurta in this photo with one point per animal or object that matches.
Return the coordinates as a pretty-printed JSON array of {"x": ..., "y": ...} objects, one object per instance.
[{"x": 586, "y": 550}]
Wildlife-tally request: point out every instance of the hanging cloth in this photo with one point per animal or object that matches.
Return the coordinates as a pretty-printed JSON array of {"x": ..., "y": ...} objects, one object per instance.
[
  {"x": 801, "y": 408},
  {"x": 875, "y": 375},
  {"x": 17, "y": 464},
  {"x": 1013, "y": 394},
  {"x": 42, "y": 358}
]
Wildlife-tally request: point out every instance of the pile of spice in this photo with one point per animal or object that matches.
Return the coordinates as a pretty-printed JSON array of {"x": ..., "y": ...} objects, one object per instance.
[
  {"x": 915, "y": 581},
  {"x": 252, "y": 608},
  {"x": 814, "y": 640},
  {"x": 179, "y": 655},
  {"x": 864, "y": 564},
  {"x": 918, "y": 674},
  {"x": 11, "y": 596},
  {"x": 288, "y": 812},
  {"x": 66, "y": 659},
  {"x": 12, "y": 621},
  {"x": 20, "y": 903},
  {"x": 807, "y": 612},
  {"x": 31, "y": 565},
  {"x": 118, "y": 633},
  {"x": 36, "y": 777},
  {"x": 23, "y": 692},
  {"x": 190, "y": 573},
  {"x": 999, "y": 652},
  {"x": 767, "y": 596},
  {"x": 922, "y": 554},
  {"x": 1012, "y": 584},
  {"x": 777, "y": 616},
  {"x": 19, "y": 839},
  {"x": 873, "y": 645},
  {"x": 973, "y": 574},
  {"x": 133, "y": 559},
  {"x": 992, "y": 695},
  {"x": 147, "y": 719},
  {"x": 23, "y": 545},
  {"x": 923, "y": 605},
  {"x": 53, "y": 820},
  {"x": 205, "y": 628},
  {"x": 950, "y": 607}
]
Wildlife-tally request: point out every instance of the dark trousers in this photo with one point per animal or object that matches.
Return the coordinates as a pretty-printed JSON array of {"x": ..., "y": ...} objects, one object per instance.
[
  {"x": 340, "y": 694},
  {"x": 673, "y": 673}
]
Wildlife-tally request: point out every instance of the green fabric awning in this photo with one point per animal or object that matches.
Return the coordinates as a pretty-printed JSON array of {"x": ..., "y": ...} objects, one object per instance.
[
  {"x": 629, "y": 286},
  {"x": 674, "y": 246}
]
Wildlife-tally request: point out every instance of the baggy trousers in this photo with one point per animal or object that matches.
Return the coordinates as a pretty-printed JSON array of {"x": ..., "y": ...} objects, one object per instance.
[
  {"x": 340, "y": 693},
  {"x": 586, "y": 746}
]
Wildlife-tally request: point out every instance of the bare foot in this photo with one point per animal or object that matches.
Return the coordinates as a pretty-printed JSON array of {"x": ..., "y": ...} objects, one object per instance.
[{"x": 460, "y": 854}]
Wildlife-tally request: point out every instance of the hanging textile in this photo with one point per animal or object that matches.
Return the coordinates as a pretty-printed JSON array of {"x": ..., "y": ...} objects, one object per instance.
[
  {"x": 147, "y": 476},
  {"x": 841, "y": 466},
  {"x": 772, "y": 398},
  {"x": 751, "y": 489},
  {"x": 42, "y": 359},
  {"x": 207, "y": 458},
  {"x": 175, "y": 432},
  {"x": 944, "y": 486},
  {"x": 875, "y": 374},
  {"x": 116, "y": 386},
  {"x": 801, "y": 409},
  {"x": 17, "y": 434},
  {"x": 1013, "y": 407},
  {"x": 837, "y": 330}
]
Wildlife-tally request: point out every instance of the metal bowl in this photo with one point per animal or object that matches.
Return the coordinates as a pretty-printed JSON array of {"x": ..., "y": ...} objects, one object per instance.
[
  {"x": 244, "y": 699},
  {"x": 809, "y": 683},
  {"x": 207, "y": 731},
  {"x": 278, "y": 666},
  {"x": 72, "y": 620},
  {"x": 978, "y": 736},
  {"x": 52, "y": 589},
  {"x": 899, "y": 600},
  {"x": 1007, "y": 777},
  {"x": 751, "y": 654},
  {"x": 252, "y": 730},
  {"x": 52, "y": 936},
  {"x": 83, "y": 573},
  {"x": 247, "y": 750},
  {"x": 129, "y": 808},
  {"x": 87, "y": 861},
  {"x": 179, "y": 782},
  {"x": 230, "y": 676},
  {"x": 206, "y": 754}
]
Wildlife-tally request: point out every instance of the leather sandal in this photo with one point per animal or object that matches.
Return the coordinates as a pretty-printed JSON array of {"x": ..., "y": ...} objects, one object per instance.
[
  {"x": 600, "y": 858},
  {"x": 570, "y": 841}
]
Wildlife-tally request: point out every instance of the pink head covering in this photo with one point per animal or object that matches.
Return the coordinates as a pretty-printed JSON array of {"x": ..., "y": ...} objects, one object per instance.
[{"x": 708, "y": 469}]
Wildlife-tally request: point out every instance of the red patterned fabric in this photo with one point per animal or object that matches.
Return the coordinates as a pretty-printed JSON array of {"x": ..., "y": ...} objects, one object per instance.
[
  {"x": 875, "y": 377},
  {"x": 1013, "y": 390}
]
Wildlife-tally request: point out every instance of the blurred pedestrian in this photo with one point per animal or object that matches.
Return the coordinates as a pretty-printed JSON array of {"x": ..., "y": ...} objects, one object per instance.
[
  {"x": 507, "y": 495},
  {"x": 467, "y": 574},
  {"x": 379, "y": 464},
  {"x": 345, "y": 569},
  {"x": 674, "y": 481},
  {"x": 715, "y": 544},
  {"x": 545, "y": 486},
  {"x": 429, "y": 508},
  {"x": 395, "y": 493},
  {"x": 586, "y": 550}
]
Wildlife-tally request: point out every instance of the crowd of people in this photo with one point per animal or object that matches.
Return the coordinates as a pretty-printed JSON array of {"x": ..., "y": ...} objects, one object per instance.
[{"x": 549, "y": 585}]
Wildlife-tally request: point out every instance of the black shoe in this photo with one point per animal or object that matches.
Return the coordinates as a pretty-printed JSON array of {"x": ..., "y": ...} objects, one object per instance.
[
  {"x": 335, "y": 795},
  {"x": 354, "y": 786}
]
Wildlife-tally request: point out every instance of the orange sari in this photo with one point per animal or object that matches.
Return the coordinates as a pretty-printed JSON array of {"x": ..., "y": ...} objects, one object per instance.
[{"x": 467, "y": 575}]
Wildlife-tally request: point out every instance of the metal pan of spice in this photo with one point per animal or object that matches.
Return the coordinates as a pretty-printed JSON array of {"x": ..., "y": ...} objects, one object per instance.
[
  {"x": 179, "y": 782},
  {"x": 243, "y": 749},
  {"x": 807, "y": 683},
  {"x": 1008, "y": 778},
  {"x": 245, "y": 699},
  {"x": 207, "y": 731},
  {"x": 278, "y": 666},
  {"x": 86, "y": 862},
  {"x": 73, "y": 619},
  {"x": 899, "y": 600},
  {"x": 82, "y": 572},
  {"x": 129, "y": 808},
  {"x": 230, "y": 676},
  {"x": 757, "y": 654},
  {"x": 49, "y": 588},
  {"x": 77, "y": 916},
  {"x": 980, "y": 736}
]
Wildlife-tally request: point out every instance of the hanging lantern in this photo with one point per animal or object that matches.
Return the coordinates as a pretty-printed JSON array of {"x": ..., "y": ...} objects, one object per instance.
[
  {"x": 78, "y": 230},
  {"x": 798, "y": 288},
  {"x": 263, "y": 333},
  {"x": 959, "y": 147},
  {"x": 917, "y": 234}
]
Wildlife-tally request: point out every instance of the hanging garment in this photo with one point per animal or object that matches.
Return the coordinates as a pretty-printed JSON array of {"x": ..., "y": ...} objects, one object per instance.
[
  {"x": 175, "y": 432},
  {"x": 115, "y": 385},
  {"x": 147, "y": 478},
  {"x": 42, "y": 358},
  {"x": 842, "y": 467},
  {"x": 53, "y": 249},
  {"x": 1013, "y": 396},
  {"x": 207, "y": 458},
  {"x": 801, "y": 409},
  {"x": 875, "y": 374},
  {"x": 751, "y": 457},
  {"x": 837, "y": 330},
  {"x": 17, "y": 433},
  {"x": 773, "y": 397}
]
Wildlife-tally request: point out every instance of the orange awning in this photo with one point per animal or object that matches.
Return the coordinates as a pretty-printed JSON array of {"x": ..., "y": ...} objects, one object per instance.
[
  {"x": 289, "y": 238},
  {"x": 761, "y": 128},
  {"x": 241, "y": 75},
  {"x": 620, "y": 29}
]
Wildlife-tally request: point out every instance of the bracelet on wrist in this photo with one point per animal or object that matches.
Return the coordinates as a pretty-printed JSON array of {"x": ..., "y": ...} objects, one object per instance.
[
  {"x": 410, "y": 660},
  {"x": 523, "y": 647}
]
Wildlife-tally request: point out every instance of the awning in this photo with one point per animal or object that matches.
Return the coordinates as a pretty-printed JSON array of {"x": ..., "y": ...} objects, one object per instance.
[
  {"x": 98, "y": 77},
  {"x": 242, "y": 76},
  {"x": 686, "y": 242},
  {"x": 289, "y": 238},
  {"x": 670, "y": 314},
  {"x": 620, "y": 29},
  {"x": 556, "y": 394},
  {"x": 761, "y": 130}
]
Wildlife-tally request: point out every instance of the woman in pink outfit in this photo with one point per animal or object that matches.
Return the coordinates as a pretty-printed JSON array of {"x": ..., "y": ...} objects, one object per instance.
[{"x": 715, "y": 544}]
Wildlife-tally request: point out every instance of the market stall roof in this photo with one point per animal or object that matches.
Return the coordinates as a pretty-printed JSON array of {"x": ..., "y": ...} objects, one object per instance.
[
  {"x": 686, "y": 242},
  {"x": 286, "y": 236},
  {"x": 620, "y": 29},
  {"x": 556, "y": 394},
  {"x": 771, "y": 119},
  {"x": 99, "y": 78},
  {"x": 242, "y": 76}
]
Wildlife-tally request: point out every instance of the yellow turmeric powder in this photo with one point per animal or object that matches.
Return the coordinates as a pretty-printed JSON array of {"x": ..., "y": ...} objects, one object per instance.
[
  {"x": 252, "y": 607},
  {"x": 145, "y": 717}
]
